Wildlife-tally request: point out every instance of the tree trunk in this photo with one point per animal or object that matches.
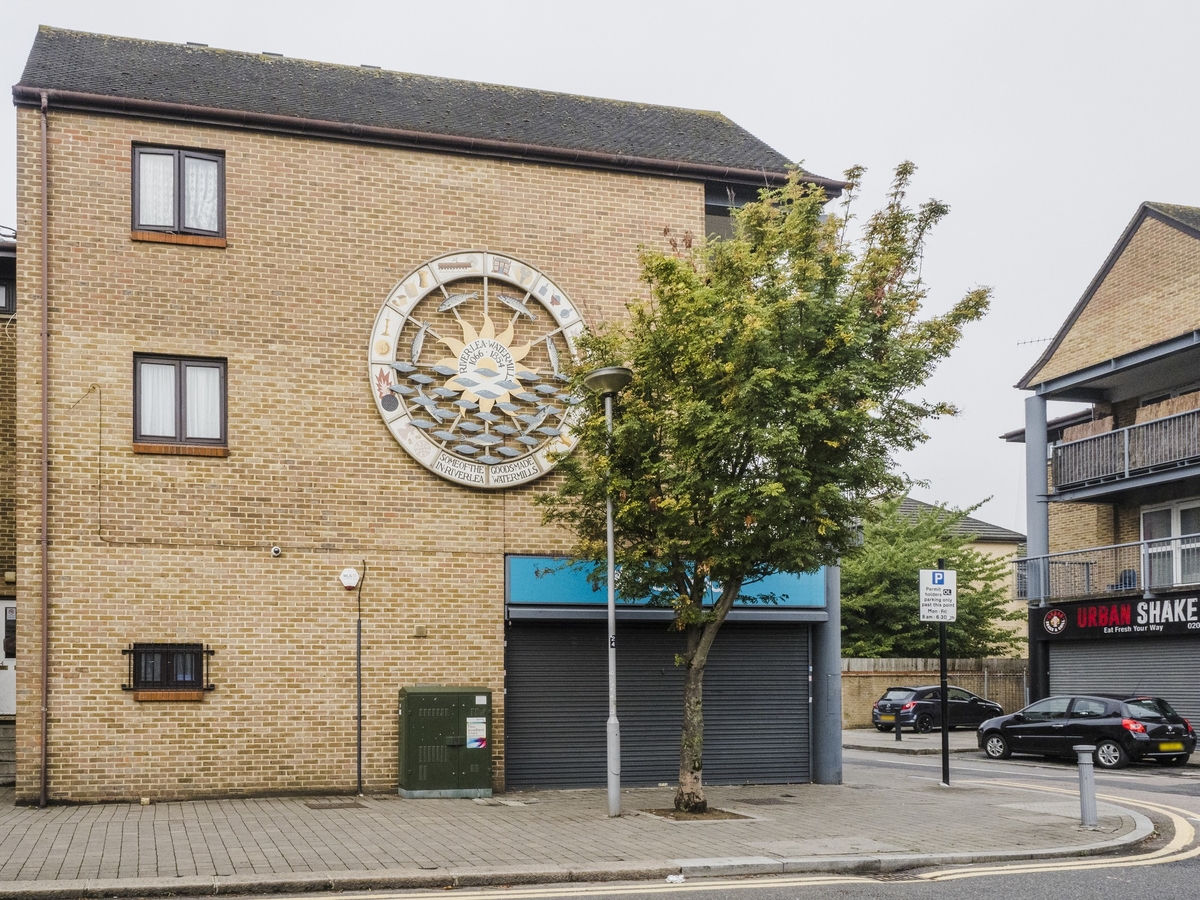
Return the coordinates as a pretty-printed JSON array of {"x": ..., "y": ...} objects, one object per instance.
[{"x": 690, "y": 796}]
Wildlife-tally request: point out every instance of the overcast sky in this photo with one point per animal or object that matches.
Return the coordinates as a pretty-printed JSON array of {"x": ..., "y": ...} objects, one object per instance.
[{"x": 1042, "y": 124}]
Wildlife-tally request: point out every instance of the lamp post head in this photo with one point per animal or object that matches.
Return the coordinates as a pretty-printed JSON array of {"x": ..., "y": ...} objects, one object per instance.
[{"x": 609, "y": 380}]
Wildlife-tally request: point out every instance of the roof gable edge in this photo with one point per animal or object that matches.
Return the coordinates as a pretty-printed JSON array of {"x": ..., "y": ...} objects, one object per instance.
[
  {"x": 1145, "y": 210},
  {"x": 75, "y": 101}
]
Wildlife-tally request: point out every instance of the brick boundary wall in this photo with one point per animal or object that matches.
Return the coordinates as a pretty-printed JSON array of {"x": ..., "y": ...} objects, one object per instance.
[{"x": 865, "y": 680}]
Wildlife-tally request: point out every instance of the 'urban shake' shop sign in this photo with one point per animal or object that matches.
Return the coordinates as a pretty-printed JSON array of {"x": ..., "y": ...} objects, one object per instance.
[{"x": 1116, "y": 619}]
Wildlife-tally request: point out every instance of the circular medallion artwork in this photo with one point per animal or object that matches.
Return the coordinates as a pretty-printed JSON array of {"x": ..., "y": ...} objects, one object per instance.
[{"x": 465, "y": 363}]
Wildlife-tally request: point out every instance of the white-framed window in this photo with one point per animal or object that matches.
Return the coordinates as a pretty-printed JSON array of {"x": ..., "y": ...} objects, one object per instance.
[
  {"x": 1171, "y": 532},
  {"x": 179, "y": 400},
  {"x": 178, "y": 191}
]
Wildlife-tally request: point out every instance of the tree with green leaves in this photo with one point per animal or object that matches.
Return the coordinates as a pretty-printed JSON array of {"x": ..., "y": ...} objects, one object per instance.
[
  {"x": 880, "y": 592},
  {"x": 774, "y": 379}
]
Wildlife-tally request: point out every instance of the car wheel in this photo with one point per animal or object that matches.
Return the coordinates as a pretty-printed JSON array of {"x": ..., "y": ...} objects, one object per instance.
[
  {"x": 880, "y": 726},
  {"x": 1110, "y": 755},
  {"x": 1176, "y": 760},
  {"x": 996, "y": 746},
  {"x": 924, "y": 723}
]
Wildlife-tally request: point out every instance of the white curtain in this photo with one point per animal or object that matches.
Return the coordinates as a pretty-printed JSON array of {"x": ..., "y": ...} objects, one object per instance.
[
  {"x": 185, "y": 667},
  {"x": 204, "y": 402},
  {"x": 157, "y": 400},
  {"x": 156, "y": 189},
  {"x": 200, "y": 193}
]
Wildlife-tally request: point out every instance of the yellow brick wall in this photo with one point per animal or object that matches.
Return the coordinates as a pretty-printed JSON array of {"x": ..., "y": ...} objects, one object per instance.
[
  {"x": 164, "y": 548},
  {"x": 1008, "y": 552},
  {"x": 1078, "y": 526},
  {"x": 1158, "y": 270},
  {"x": 1129, "y": 524}
]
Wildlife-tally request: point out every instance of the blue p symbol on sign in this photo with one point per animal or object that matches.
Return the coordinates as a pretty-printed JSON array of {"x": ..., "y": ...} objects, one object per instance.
[{"x": 939, "y": 577}]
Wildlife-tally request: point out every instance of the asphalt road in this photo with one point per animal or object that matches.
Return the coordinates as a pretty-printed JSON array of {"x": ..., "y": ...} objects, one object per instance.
[{"x": 1168, "y": 866}]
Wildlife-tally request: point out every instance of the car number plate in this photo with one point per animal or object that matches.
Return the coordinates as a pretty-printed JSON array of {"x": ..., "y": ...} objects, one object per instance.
[
  {"x": 1166, "y": 748},
  {"x": 891, "y": 718}
]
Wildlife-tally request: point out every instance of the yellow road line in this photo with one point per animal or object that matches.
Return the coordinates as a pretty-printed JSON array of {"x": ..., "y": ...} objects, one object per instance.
[
  {"x": 594, "y": 890},
  {"x": 1178, "y": 848}
]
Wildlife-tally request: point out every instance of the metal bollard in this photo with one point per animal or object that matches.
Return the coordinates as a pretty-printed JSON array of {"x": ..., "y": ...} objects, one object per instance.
[
  {"x": 1087, "y": 785},
  {"x": 898, "y": 729}
]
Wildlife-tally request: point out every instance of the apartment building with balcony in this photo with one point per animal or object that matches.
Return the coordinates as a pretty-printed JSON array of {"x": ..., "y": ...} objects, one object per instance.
[{"x": 1112, "y": 576}]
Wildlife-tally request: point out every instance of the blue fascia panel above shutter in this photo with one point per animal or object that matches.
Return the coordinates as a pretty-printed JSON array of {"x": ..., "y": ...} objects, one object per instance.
[{"x": 553, "y": 581}]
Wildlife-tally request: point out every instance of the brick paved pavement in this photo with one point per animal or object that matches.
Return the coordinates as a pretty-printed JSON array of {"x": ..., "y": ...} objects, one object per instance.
[{"x": 877, "y": 820}]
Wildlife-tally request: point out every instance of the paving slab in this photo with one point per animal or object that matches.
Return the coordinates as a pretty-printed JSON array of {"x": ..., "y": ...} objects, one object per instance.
[{"x": 878, "y": 821}]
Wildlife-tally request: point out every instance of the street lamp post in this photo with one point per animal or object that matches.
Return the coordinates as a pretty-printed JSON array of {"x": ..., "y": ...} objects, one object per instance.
[{"x": 608, "y": 382}]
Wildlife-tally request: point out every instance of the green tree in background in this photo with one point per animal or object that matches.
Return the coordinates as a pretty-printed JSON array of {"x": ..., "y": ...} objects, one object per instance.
[
  {"x": 880, "y": 591},
  {"x": 774, "y": 379}
]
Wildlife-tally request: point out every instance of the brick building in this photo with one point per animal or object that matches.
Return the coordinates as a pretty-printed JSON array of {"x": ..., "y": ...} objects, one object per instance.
[
  {"x": 1114, "y": 530},
  {"x": 304, "y": 317}
]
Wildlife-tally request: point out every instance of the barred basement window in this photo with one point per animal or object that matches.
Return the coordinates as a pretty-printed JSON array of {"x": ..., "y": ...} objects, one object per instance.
[{"x": 168, "y": 671}]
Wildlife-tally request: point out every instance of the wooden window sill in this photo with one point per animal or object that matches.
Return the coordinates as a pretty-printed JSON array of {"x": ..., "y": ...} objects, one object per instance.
[
  {"x": 192, "y": 240},
  {"x": 181, "y": 449},
  {"x": 168, "y": 696}
]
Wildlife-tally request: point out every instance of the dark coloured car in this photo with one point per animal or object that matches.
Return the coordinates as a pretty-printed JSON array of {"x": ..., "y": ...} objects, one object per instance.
[
  {"x": 920, "y": 708},
  {"x": 1122, "y": 727}
]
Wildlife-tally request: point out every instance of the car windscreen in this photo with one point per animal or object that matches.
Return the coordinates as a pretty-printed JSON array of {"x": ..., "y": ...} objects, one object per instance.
[
  {"x": 1149, "y": 708},
  {"x": 897, "y": 694}
]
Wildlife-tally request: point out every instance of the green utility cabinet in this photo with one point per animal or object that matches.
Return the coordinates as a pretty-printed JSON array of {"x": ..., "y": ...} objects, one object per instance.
[{"x": 445, "y": 742}]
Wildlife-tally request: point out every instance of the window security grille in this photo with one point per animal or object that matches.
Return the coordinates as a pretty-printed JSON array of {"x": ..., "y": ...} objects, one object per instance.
[{"x": 168, "y": 667}]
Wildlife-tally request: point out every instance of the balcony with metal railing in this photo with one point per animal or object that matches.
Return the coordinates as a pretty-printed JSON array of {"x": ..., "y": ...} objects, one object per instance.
[
  {"x": 1172, "y": 442},
  {"x": 1120, "y": 569}
]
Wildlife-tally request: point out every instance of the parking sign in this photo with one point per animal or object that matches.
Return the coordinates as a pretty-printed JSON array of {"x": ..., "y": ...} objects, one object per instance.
[{"x": 939, "y": 595}]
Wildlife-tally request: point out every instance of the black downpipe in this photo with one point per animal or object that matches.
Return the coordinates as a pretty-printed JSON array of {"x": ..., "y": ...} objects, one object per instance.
[{"x": 44, "y": 793}]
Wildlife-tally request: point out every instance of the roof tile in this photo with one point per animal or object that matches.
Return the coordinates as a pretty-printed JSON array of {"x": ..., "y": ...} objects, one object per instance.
[{"x": 266, "y": 84}]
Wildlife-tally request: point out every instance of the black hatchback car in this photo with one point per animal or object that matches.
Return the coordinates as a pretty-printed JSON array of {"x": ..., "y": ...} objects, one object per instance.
[
  {"x": 920, "y": 708},
  {"x": 1122, "y": 727}
]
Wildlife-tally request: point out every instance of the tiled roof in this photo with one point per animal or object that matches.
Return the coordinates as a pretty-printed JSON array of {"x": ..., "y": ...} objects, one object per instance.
[
  {"x": 264, "y": 85},
  {"x": 983, "y": 532},
  {"x": 1188, "y": 216}
]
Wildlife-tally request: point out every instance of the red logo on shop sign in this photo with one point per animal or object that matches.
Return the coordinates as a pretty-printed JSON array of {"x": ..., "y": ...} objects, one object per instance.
[{"x": 1055, "y": 621}]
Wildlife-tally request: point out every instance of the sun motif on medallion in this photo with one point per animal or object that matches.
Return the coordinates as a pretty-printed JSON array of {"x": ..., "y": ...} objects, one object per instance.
[
  {"x": 494, "y": 412},
  {"x": 485, "y": 364}
]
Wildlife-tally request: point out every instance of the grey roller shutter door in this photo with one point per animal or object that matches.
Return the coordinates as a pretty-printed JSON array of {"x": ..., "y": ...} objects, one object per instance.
[
  {"x": 556, "y": 704},
  {"x": 1163, "y": 667}
]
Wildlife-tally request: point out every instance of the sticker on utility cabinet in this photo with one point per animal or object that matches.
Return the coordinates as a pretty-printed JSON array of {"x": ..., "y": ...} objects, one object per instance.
[{"x": 476, "y": 732}]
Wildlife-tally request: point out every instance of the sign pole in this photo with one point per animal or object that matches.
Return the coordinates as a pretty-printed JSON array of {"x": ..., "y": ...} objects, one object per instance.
[
  {"x": 939, "y": 603},
  {"x": 945, "y": 710},
  {"x": 945, "y": 698}
]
